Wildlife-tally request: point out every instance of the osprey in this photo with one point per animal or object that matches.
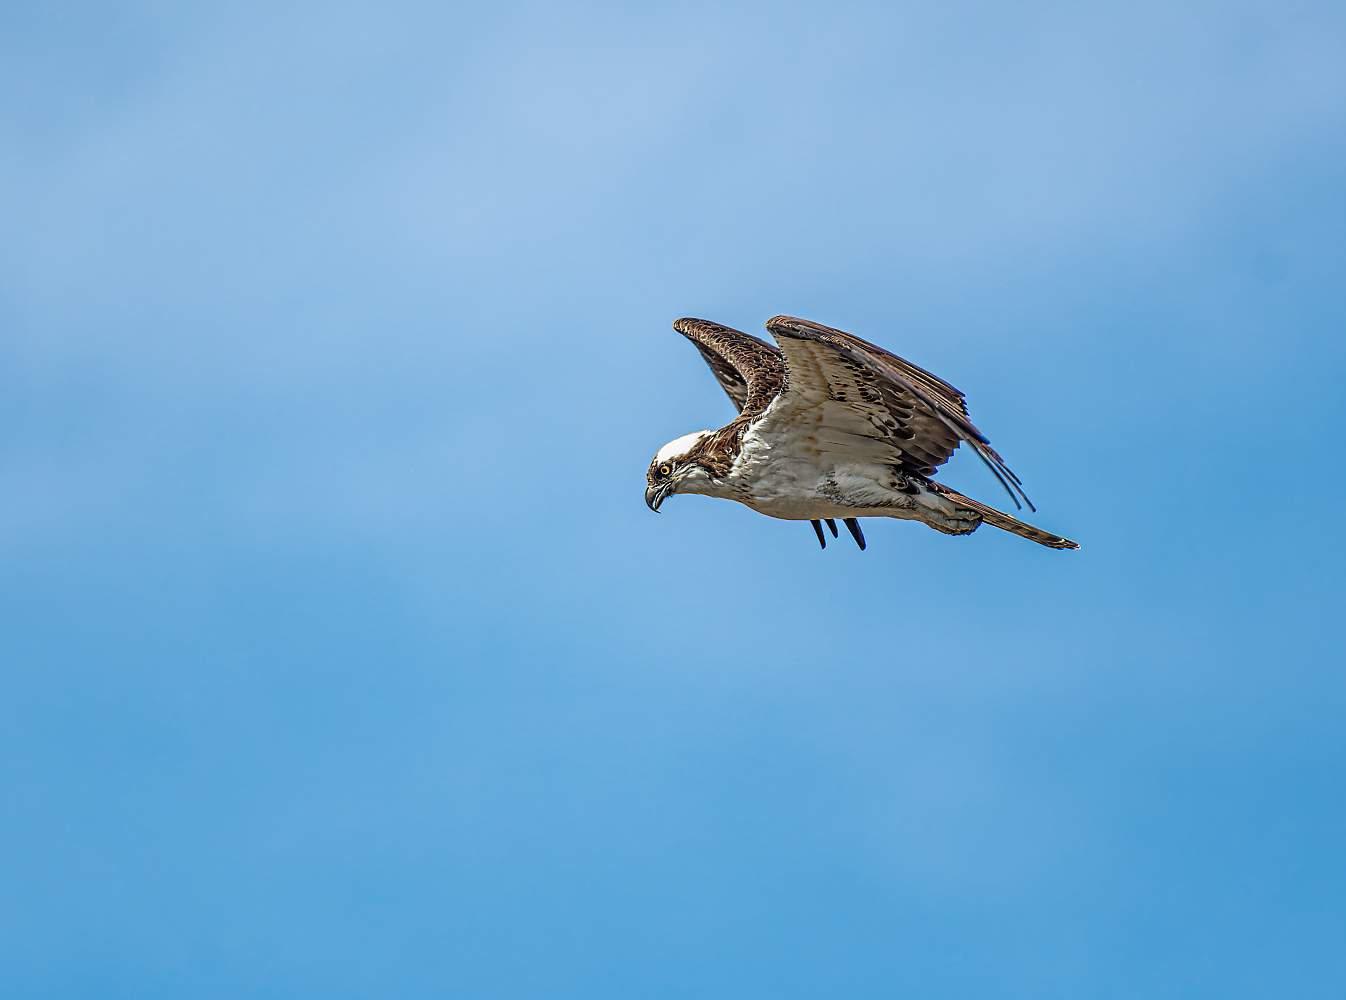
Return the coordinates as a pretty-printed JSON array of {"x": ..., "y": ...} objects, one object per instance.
[{"x": 830, "y": 426}]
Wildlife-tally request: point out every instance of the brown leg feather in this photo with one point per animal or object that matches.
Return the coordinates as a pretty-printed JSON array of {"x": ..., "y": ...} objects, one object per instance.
[{"x": 989, "y": 515}]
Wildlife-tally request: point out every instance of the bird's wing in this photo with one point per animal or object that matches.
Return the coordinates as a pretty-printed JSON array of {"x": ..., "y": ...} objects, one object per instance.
[
  {"x": 858, "y": 400},
  {"x": 751, "y": 371}
]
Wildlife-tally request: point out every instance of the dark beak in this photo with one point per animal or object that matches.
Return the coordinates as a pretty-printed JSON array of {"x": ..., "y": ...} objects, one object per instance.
[{"x": 654, "y": 495}]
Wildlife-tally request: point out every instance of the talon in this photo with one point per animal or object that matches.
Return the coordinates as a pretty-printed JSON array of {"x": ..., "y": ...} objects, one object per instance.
[
  {"x": 818, "y": 527},
  {"x": 854, "y": 526},
  {"x": 833, "y": 525}
]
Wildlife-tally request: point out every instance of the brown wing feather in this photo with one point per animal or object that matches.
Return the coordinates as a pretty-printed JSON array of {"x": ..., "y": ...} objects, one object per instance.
[
  {"x": 749, "y": 370},
  {"x": 920, "y": 415},
  {"x": 727, "y": 375}
]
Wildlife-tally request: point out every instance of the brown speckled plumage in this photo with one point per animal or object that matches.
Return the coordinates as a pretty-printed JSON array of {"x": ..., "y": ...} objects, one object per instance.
[
  {"x": 751, "y": 372},
  {"x": 925, "y": 416},
  {"x": 837, "y": 399}
]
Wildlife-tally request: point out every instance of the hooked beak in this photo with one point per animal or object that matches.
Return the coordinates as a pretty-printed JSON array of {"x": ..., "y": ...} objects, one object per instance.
[{"x": 654, "y": 495}]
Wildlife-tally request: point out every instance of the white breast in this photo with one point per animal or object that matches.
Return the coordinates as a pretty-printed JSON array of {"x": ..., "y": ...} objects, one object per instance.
[{"x": 789, "y": 472}]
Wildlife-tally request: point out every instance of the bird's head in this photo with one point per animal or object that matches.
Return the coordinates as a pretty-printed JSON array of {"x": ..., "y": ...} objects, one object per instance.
[{"x": 676, "y": 469}]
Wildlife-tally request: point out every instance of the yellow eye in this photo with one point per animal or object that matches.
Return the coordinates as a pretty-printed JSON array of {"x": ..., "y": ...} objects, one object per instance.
[{"x": 664, "y": 470}]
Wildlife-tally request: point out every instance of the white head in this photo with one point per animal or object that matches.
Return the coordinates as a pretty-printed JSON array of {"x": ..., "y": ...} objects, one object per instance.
[{"x": 676, "y": 469}]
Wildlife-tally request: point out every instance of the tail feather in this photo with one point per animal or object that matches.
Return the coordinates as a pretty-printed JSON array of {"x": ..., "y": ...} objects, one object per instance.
[{"x": 989, "y": 515}]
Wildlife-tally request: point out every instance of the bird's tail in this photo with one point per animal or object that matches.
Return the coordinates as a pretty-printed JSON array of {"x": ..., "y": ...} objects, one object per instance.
[{"x": 989, "y": 515}]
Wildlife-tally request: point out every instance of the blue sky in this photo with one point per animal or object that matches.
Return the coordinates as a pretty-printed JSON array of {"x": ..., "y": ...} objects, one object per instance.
[{"x": 342, "y": 658}]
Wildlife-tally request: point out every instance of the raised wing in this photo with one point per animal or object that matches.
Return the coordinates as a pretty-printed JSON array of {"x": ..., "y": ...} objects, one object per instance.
[
  {"x": 751, "y": 371},
  {"x": 876, "y": 406}
]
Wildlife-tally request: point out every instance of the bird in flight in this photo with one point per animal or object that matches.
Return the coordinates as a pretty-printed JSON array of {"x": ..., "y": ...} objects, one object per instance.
[{"x": 830, "y": 426}]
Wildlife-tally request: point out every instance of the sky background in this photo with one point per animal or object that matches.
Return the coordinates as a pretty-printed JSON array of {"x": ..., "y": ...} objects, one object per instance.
[{"x": 341, "y": 658}]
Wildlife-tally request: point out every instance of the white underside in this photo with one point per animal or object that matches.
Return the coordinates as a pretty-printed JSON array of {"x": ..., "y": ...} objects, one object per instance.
[{"x": 794, "y": 470}]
